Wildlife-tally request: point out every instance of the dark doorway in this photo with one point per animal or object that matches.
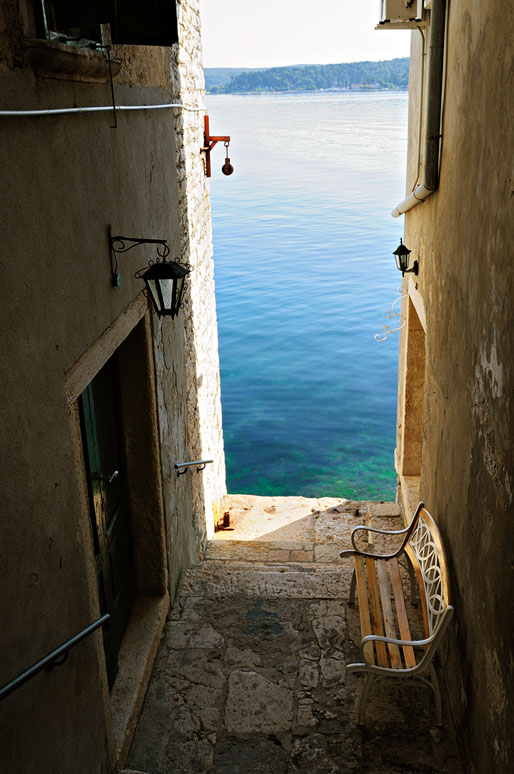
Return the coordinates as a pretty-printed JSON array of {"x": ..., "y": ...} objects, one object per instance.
[{"x": 102, "y": 434}]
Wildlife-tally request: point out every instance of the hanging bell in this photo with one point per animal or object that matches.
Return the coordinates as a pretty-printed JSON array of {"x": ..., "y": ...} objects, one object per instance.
[{"x": 227, "y": 167}]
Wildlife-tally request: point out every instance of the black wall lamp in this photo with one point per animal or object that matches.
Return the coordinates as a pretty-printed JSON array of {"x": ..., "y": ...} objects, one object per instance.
[
  {"x": 402, "y": 254},
  {"x": 164, "y": 280}
]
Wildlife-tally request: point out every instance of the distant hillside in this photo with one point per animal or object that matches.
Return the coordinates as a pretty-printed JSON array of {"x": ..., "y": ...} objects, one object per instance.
[
  {"x": 389, "y": 74},
  {"x": 219, "y": 76}
]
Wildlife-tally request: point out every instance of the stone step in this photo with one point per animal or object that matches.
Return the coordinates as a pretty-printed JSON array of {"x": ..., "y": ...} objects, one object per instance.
[{"x": 222, "y": 580}]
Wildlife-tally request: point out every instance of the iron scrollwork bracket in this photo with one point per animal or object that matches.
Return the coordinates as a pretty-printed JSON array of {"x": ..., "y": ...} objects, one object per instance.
[
  {"x": 398, "y": 323},
  {"x": 122, "y": 244}
]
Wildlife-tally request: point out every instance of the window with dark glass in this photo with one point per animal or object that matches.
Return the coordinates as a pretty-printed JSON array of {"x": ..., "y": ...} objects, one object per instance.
[{"x": 132, "y": 22}]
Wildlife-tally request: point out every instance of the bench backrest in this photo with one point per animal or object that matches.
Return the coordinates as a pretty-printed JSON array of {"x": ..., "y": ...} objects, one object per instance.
[{"x": 426, "y": 552}]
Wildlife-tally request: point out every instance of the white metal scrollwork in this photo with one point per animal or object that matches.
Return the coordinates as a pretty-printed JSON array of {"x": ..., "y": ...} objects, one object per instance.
[
  {"x": 398, "y": 323},
  {"x": 423, "y": 545}
]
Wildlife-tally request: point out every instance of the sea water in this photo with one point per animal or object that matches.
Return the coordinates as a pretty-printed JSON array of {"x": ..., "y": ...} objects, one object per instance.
[{"x": 303, "y": 241}]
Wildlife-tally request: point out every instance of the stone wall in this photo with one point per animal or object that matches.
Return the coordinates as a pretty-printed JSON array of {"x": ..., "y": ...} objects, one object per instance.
[
  {"x": 201, "y": 363},
  {"x": 462, "y": 236}
]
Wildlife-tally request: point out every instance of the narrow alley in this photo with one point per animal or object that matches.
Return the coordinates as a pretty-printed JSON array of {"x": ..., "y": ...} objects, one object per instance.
[{"x": 250, "y": 675}]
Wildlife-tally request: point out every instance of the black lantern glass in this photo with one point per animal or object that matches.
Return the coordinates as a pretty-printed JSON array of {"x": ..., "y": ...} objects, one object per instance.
[
  {"x": 402, "y": 254},
  {"x": 165, "y": 285}
]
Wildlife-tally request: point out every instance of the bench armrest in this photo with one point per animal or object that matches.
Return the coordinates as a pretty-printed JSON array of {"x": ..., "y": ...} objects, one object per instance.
[
  {"x": 394, "y": 641},
  {"x": 406, "y": 531},
  {"x": 436, "y": 636},
  {"x": 357, "y": 550}
]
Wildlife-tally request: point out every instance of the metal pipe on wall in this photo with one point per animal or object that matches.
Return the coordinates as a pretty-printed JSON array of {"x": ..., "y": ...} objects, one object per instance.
[
  {"x": 96, "y": 109},
  {"x": 434, "y": 102}
]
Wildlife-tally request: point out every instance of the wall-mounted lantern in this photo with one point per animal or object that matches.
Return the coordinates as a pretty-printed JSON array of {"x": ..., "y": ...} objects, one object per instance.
[
  {"x": 402, "y": 254},
  {"x": 208, "y": 144},
  {"x": 165, "y": 286},
  {"x": 164, "y": 280}
]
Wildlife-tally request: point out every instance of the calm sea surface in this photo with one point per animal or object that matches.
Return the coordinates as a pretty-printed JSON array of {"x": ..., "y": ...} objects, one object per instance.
[{"x": 303, "y": 241}]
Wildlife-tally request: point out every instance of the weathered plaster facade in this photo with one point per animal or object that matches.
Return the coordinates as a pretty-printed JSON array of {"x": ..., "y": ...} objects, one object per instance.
[
  {"x": 455, "y": 446},
  {"x": 65, "y": 177}
]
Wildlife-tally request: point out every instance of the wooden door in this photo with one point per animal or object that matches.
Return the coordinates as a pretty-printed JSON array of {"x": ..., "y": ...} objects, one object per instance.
[{"x": 102, "y": 433}]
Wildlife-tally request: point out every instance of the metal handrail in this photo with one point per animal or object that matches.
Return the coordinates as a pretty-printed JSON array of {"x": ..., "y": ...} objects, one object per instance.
[
  {"x": 187, "y": 465},
  {"x": 49, "y": 660}
]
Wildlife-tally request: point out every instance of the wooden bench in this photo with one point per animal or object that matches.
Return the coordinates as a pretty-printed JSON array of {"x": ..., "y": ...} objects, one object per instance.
[{"x": 387, "y": 648}]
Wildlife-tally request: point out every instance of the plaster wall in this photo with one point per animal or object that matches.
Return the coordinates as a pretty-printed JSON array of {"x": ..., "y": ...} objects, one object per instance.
[
  {"x": 462, "y": 236},
  {"x": 69, "y": 179},
  {"x": 64, "y": 178}
]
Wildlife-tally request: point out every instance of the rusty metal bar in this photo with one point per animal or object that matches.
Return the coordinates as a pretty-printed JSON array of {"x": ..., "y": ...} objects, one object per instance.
[{"x": 209, "y": 143}]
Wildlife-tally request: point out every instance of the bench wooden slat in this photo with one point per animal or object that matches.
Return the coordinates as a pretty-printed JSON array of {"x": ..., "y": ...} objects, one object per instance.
[
  {"x": 389, "y": 619},
  {"x": 376, "y": 613},
  {"x": 360, "y": 578},
  {"x": 401, "y": 613}
]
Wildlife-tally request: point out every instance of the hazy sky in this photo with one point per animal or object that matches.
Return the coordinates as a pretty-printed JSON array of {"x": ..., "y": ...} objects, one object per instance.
[{"x": 271, "y": 33}]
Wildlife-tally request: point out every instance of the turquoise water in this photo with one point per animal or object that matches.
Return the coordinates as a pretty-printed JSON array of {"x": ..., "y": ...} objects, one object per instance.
[{"x": 303, "y": 242}]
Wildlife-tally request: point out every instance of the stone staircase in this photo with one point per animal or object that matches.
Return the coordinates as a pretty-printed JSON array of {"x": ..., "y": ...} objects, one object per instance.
[{"x": 250, "y": 676}]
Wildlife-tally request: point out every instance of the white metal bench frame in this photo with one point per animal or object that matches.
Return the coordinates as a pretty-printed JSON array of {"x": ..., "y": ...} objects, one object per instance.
[{"x": 426, "y": 559}]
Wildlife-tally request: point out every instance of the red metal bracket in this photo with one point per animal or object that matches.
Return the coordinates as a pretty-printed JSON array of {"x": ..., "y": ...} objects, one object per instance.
[{"x": 208, "y": 144}]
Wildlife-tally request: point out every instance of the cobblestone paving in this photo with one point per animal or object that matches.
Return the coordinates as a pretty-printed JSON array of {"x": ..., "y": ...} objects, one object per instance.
[{"x": 250, "y": 678}]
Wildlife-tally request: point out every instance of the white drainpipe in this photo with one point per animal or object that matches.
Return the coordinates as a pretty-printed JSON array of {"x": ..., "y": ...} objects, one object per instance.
[{"x": 434, "y": 101}]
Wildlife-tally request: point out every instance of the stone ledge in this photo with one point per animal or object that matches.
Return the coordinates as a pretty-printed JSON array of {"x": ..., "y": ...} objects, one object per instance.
[
  {"x": 299, "y": 530},
  {"x": 384, "y": 510},
  {"x": 409, "y": 493},
  {"x": 135, "y": 663},
  {"x": 59, "y": 60}
]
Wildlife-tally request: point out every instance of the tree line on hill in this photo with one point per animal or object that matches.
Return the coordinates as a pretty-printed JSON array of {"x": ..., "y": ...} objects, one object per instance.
[{"x": 388, "y": 74}]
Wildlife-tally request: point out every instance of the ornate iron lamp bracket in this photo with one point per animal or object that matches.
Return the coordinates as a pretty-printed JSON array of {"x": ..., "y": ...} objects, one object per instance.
[{"x": 122, "y": 244}]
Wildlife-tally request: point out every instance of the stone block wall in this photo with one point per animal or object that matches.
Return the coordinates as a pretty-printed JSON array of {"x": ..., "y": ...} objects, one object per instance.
[{"x": 200, "y": 379}]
